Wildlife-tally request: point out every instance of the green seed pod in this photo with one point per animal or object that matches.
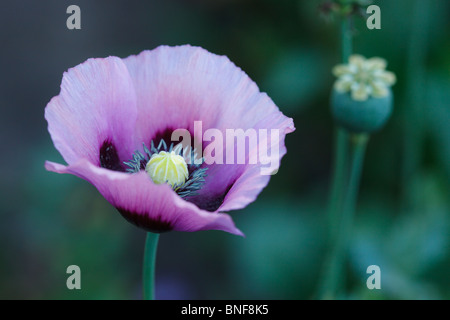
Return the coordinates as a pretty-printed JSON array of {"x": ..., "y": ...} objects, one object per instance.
[{"x": 361, "y": 116}]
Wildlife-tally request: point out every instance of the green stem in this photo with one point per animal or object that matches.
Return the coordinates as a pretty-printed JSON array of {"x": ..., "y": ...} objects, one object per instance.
[
  {"x": 341, "y": 145},
  {"x": 359, "y": 144},
  {"x": 346, "y": 39},
  {"x": 335, "y": 263},
  {"x": 339, "y": 182},
  {"x": 340, "y": 167},
  {"x": 341, "y": 157},
  {"x": 148, "y": 272}
]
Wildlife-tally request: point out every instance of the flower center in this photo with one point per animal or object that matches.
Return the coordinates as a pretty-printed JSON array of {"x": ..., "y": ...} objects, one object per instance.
[
  {"x": 172, "y": 165},
  {"x": 167, "y": 167}
]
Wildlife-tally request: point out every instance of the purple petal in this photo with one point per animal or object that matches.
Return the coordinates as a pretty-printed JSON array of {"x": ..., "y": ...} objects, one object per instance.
[
  {"x": 241, "y": 184},
  {"x": 247, "y": 187},
  {"x": 153, "y": 207},
  {"x": 108, "y": 107},
  {"x": 176, "y": 86},
  {"x": 97, "y": 104}
]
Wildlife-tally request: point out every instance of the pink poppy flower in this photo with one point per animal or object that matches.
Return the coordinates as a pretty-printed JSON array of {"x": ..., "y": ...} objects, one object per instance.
[{"x": 112, "y": 115}]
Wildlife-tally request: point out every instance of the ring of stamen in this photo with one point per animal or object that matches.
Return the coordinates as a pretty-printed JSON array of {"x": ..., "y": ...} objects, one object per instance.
[{"x": 181, "y": 171}]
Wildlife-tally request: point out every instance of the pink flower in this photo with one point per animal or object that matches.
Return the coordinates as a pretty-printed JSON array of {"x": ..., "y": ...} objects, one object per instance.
[{"x": 111, "y": 111}]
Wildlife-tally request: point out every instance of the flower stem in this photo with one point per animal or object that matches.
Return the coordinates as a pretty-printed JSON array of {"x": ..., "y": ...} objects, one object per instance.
[
  {"x": 358, "y": 148},
  {"x": 339, "y": 180},
  {"x": 336, "y": 219},
  {"x": 335, "y": 263},
  {"x": 346, "y": 39},
  {"x": 341, "y": 145},
  {"x": 148, "y": 279}
]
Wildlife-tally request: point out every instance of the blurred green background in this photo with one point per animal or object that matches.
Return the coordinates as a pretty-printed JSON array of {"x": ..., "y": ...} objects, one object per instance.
[{"x": 50, "y": 221}]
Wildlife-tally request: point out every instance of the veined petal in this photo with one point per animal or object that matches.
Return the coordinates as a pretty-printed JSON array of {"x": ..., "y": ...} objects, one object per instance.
[
  {"x": 153, "y": 207},
  {"x": 97, "y": 103},
  {"x": 255, "y": 177},
  {"x": 176, "y": 86}
]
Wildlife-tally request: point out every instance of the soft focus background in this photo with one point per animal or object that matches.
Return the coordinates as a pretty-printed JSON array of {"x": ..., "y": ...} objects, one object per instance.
[{"x": 50, "y": 221}]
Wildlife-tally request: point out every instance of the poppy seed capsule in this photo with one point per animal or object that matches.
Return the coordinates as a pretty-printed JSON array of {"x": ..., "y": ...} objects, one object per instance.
[
  {"x": 361, "y": 116},
  {"x": 361, "y": 100},
  {"x": 167, "y": 167}
]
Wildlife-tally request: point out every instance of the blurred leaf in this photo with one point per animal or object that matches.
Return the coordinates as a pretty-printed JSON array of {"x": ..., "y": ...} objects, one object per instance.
[
  {"x": 295, "y": 78},
  {"x": 411, "y": 245},
  {"x": 438, "y": 116},
  {"x": 281, "y": 254}
]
